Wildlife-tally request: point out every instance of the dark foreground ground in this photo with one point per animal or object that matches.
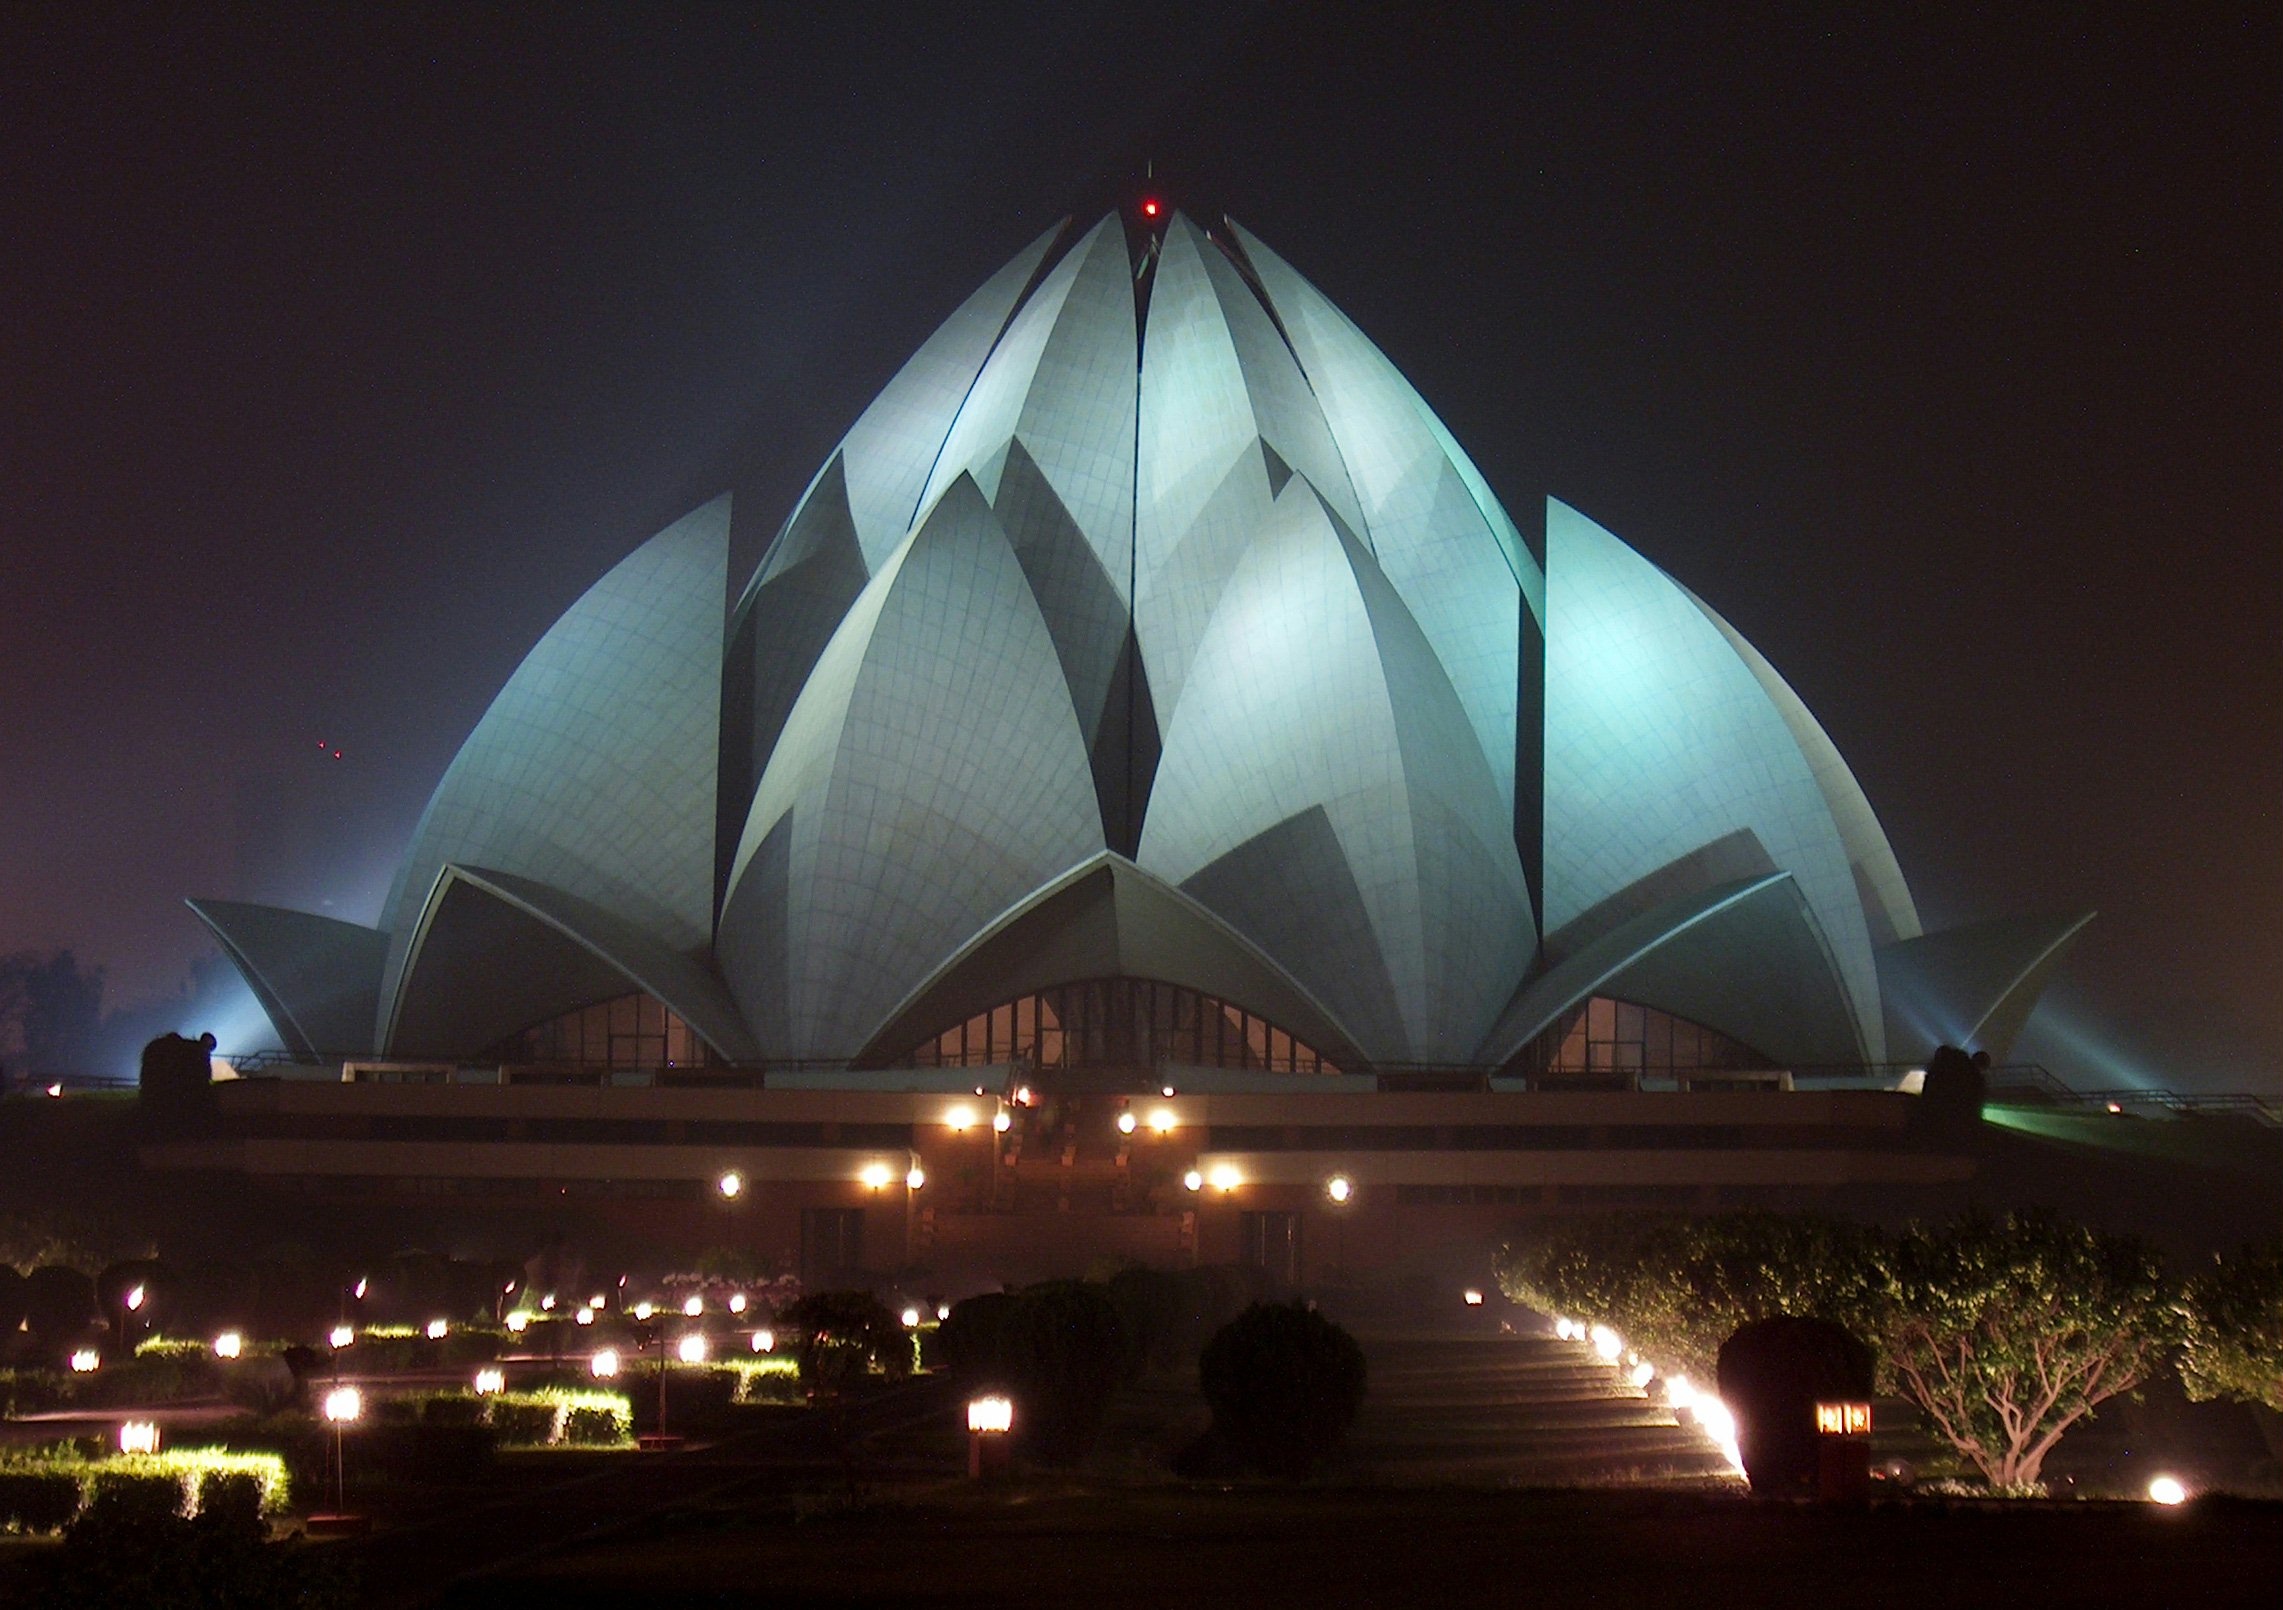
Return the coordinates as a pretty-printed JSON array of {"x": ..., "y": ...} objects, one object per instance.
[{"x": 1376, "y": 1547}]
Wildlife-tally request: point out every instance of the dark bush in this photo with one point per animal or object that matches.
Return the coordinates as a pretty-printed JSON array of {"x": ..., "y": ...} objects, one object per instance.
[
  {"x": 119, "y": 1498},
  {"x": 417, "y": 1453},
  {"x": 129, "y": 1546},
  {"x": 1772, "y": 1374},
  {"x": 592, "y": 1428},
  {"x": 11, "y": 1300},
  {"x": 59, "y": 1306},
  {"x": 523, "y": 1424},
  {"x": 1170, "y": 1315},
  {"x": 1284, "y": 1383},
  {"x": 842, "y": 1333},
  {"x": 452, "y": 1409},
  {"x": 264, "y": 1384},
  {"x": 1062, "y": 1354},
  {"x": 230, "y": 1499},
  {"x": 37, "y": 1501},
  {"x": 1058, "y": 1350},
  {"x": 972, "y": 1341}
]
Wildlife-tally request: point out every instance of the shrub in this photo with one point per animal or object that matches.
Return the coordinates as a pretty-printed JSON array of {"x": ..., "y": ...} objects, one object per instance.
[
  {"x": 1679, "y": 1287},
  {"x": 843, "y": 1333},
  {"x": 230, "y": 1497},
  {"x": 418, "y": 1453},
  {"x": 525, "y": 1422},
  {"x": 767, "y": 1379},
  {"x": 972, "y": 1340},
  {"x": 452, "y": 1409},
  {"x": 59, "y": 1305},
  {"x": 37, "y": 1501},
  {"x": 2233, "y": 1341},
  {"x": 123, "y": 1494},
  {"x": 594, "y": 1428},
  {"x": 1772, "y": 1373},
  {"x": 1064, "y": 1350},
  {"x": 1284, "y": 1383}
]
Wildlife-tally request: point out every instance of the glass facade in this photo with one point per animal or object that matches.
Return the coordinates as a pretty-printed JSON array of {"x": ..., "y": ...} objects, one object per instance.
[
  {"x": 633, "y": 1031},
  {"x": 1611, "y": 1037},
  {"x": 1119, "y": 1022}
]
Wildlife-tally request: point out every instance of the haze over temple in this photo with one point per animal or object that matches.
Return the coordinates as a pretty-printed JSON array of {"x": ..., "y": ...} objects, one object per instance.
[{"x": 1148, "y": 694}]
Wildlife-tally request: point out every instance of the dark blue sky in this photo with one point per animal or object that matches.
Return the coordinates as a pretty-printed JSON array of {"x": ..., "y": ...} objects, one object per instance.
[{"x": 344, "y": 350}]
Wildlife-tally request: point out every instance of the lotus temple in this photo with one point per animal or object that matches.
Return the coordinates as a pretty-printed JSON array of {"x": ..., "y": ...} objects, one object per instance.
[{"x": 1153, "y": 800}]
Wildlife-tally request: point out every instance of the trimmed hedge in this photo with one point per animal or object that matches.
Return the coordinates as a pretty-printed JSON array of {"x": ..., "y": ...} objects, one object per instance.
[
  {"x": 43, "y": 1489},
  {"x": 37, "y": 1501},
  {"x": 537, "y": 1418}
]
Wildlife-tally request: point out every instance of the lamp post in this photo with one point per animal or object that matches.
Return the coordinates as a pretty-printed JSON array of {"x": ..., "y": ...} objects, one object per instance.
[
  {"x": 342, "y": 1405},
  {"x": 989, "y": 1422}
]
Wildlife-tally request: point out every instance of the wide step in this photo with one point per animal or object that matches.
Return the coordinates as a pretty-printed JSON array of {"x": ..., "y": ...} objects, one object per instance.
[{"x": 1518, "y": 1411}]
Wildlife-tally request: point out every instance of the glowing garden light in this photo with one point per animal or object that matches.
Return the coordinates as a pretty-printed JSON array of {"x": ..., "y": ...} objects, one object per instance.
[
  {"x": 547, "y": 1303},
  {"x": 1642, "y": 1373},
  {"x": 1717, "y": 1423},
  {"x": 914, "y": 1177},
  {"x": 1564, "y": 1329},
  {"x": 959, "y": 1120},
  {"x": 730, "y": 1185},
  {"x": 489, "y": 1381},
  {"x": 691, "y": 1349},
  {"x": 643, "y": 1310},
  {"x": 584, "y": 1316},
  {"x": 911, "y": 1318},
  {"x": 1472, "y": 1297},
  {"x": 943, "y": 1310},
  {"x": 134, "y": 1299},
  {"x": 1606, "y": 1343},
  {"x": 1193, "y": 1181},
  {"x": 990, "y": 1416},
  {"x": 1161, "y": 1119},
  {"x": 2167, "y": 1490},
  {"x": 737, "y": 1302},
  {"x": 692, "y": 1307},
  {"x": 1339, "y": 1188},
  {"x": 876, "y": 1176},
  {"x": 1127, "y": 1123},
  {"x": 359, "y": 1292},
  {"x": 764, "y": 1341},
  {"x": 229, "y": 1344},
  {"x": 518, "y": 1322},
  {"x": 343, "y": 1335},
  {"x": 85, "y": 1360},
  {"x": 344, "y": 1404},
  {"x": 438, "y": 1329},
  {"x": 139, "y": 1436},
  {"x": 1225, "y": 1177},
  {"x": 594, "y": 1302},
  {"x": 1679, "y": 1392},
  {"x": 604, "y": 1365}
]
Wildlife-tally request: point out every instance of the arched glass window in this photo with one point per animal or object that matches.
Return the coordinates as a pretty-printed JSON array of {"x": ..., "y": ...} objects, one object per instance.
[
  {"x": 632, "y": 1031},
  {"x": 1119, "y": 1022},
  {"x": 1612, "y": 1037}
]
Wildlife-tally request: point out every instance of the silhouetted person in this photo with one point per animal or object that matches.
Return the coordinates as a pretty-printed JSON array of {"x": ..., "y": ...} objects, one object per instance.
[
  {"x": 178, "y": 1075},
  {"x": 1956, "y": 1084}
]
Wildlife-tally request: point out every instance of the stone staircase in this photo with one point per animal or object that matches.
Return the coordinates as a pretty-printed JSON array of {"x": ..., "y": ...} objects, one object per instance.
[{"x": 1483, "y": 1409}]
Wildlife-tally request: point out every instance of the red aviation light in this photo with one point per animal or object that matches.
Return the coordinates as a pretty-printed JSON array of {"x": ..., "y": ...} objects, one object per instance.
[{"x": 1149, "y": 207}]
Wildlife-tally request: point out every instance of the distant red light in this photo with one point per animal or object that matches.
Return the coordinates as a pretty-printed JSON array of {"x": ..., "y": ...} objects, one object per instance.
[
  {"x": 1149, "y": 209},
  {"x": 336, "y": 754}
]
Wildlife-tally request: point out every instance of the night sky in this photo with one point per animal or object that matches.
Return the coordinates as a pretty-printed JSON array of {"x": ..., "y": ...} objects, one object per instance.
[{"x": 340, "y": 352}]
